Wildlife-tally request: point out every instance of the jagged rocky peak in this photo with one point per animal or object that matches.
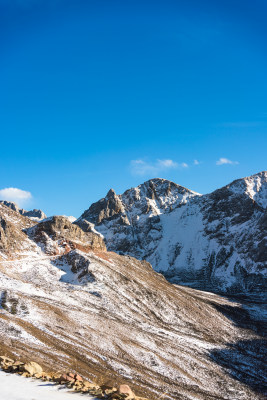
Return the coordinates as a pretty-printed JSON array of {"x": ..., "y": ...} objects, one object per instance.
[
  {"x": 105, "y": 208},
  {"x": 162, "y": 192},
  {"x": 215, "y": 241},
  {"x": 151, "y": 196},
  {"x": 35, "y": 215}
]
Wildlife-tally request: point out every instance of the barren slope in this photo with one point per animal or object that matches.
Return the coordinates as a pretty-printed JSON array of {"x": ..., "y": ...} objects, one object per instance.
[{"x": 112, "y": 318}]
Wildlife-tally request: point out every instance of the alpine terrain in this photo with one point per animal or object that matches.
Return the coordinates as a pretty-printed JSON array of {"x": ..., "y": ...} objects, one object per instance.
[
  {"x": 215, "y": 241},
  {"x": 70, "y": 304}
]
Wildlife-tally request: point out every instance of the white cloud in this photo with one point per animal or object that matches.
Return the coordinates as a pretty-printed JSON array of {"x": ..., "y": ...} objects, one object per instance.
[
  {"x": 142, "y": 167},
  {"x": 167, "y": 163},
  {"x": 196, "y": 162},
  {"x": 223, "y": 161},
  {"x": 19, "y": 196}
]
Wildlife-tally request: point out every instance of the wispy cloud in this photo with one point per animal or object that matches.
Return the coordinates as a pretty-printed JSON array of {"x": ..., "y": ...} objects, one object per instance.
[
  {"x": 167, "y": 164},
  {"x": 223, "y": 161},
  {"x": 21, "y": 197},
  {"x": 142, "y": 167},
  {"x": 196, "y": 162}
]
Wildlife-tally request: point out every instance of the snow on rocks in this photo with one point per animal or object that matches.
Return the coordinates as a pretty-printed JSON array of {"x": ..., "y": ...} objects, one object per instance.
[{"x": 213, "y": 242}]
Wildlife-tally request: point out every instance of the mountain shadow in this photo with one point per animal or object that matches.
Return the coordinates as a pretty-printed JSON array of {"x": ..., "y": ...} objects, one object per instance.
[{"x": 245, "y": 360}]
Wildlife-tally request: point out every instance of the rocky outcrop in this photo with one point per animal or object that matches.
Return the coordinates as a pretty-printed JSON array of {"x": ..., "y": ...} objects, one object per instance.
[
  {"x": 66, "y": 235},
  {"x": 215, "y": 242},
  {"x": 12, "y": 236},
  {"x": 104, "y": 209},
  {"x": 35, "y": 215}
]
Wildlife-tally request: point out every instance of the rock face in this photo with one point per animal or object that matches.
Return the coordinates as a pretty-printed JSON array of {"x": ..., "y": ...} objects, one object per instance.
[
  {"x": 215, "y": 241},
  {"x": 35, "y": 215},
  {"x": 12, "y": 237},
  {"x": 59, "y": 230}
]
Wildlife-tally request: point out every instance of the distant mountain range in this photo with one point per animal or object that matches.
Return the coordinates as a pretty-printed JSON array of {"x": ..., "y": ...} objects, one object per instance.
[{"x": 216, "y": 241}]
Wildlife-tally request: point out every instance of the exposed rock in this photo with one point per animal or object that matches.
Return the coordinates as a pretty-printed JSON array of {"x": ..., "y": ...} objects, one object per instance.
[
  {"x": 12, "y": 224},
  {"x": 11, "y": 205},
  {"x": 215, "y": 241},
  {"x": 34, "y": 214},
  {"x": 31, "y": 368},
  {"x": 78, "y": 377},
  {"x": 68, "y": 235},
  {"x": 6, "y": 360},
  {"x": 104, "y": 209},
  {"x": 126, "y": 390}
]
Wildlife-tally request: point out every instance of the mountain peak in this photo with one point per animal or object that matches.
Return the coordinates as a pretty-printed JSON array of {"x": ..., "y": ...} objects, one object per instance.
[
  {"x": 254, "y": 186},
  {"x": 207, "y": 241},
  {"x": 111, "y": 194}
]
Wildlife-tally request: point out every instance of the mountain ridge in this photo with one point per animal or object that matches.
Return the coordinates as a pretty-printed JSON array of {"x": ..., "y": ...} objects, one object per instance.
[{"x": 214, "y": 241}]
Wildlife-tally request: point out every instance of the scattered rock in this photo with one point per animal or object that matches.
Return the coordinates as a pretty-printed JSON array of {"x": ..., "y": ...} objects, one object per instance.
[{"x": 70, "y": 380}]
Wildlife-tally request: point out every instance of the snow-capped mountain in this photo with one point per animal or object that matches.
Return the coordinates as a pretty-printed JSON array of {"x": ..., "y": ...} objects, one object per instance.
[
  {"x": 215, "y": 241},
  {"x": 70, "y": 305}
]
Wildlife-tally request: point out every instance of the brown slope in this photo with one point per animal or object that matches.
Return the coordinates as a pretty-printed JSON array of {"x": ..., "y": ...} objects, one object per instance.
[{"x": 114, "y": 319}]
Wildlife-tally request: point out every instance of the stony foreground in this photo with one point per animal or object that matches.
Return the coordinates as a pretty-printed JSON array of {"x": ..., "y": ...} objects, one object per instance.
[{"x": 70, "y": 380}]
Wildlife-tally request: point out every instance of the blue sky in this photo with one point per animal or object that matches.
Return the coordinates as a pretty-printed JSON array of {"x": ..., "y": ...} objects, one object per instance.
[{"x": 101, "y": 94}]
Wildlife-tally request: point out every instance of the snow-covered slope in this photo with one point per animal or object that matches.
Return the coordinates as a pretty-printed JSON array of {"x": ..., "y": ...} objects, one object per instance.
[
  {"x": 216, "y": 241},
  {"x": 70, "y": 305}
]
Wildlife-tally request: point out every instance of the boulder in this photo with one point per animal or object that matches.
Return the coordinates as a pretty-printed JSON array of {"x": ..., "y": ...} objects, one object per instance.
[
  {"x": 6, "y": 360},
  {"x": 126, "y": 390},
  {"x": 78, "y": 378},
  {"x": 31, "y": 368}
]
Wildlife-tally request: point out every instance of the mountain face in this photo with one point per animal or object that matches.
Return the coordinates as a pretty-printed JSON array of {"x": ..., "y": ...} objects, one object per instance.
[
  {"x": 69, "y": 304},
  {"x": 35, "y": 215},
  {"x": 215, "y": 241}
]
